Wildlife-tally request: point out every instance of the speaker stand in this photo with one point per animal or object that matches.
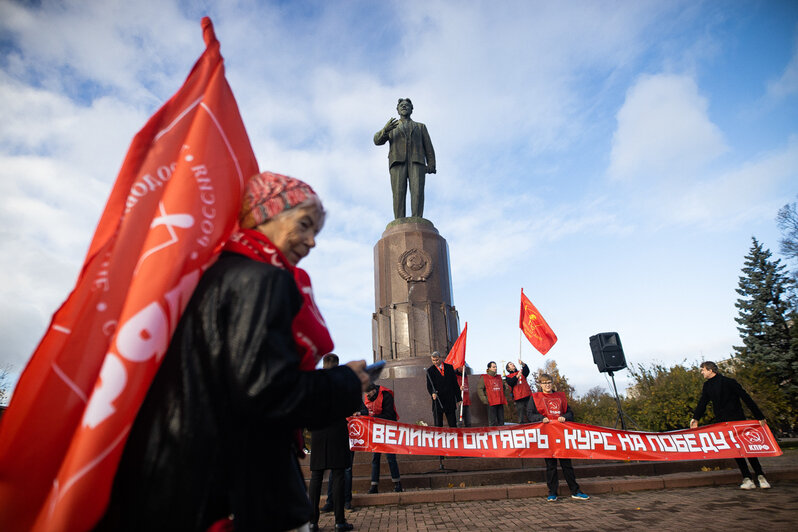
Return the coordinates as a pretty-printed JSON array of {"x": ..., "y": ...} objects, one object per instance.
[{"x": 621, "y": 416}]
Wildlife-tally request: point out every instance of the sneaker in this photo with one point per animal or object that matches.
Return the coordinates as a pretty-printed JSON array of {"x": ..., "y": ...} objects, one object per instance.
[
  {"x": 373, "y": 489},
  {"x": 397, "y": 487},
  {"x": 551, "y": 498},
  {"x": 763, "y": 482},
  {"x": 580, "y": 496},
  {"x": 747, "y": 484}
]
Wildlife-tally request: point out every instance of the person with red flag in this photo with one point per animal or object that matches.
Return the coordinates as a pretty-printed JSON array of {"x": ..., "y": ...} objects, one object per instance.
[
  {"x": 516, "y": 380},
  {"x": 534, "y": 327},
  {"x": 549, "y": 406},
  {"x": 456, "y": 358},
  {"x": 491, "y": 388},
  {"x": 465, "y": 392},
  {"x": 220, "y": 421}
]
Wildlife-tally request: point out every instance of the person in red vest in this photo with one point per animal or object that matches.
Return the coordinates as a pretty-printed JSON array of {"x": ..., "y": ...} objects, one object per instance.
[
  {"x": 517, "y": 382},
  {"x": 465, "y": 393},
  {"x": 491, "y": 392},
  {"x": 378, "y": 402},
  {"x": 549, "y": 406}
]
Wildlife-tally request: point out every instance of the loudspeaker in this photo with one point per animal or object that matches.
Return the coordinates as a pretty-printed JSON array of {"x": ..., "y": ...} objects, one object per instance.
[{"x": 607, "y": 352}]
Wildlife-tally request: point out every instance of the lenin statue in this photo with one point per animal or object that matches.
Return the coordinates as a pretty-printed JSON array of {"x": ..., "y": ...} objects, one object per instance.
[{"x": 410, "y": 158}]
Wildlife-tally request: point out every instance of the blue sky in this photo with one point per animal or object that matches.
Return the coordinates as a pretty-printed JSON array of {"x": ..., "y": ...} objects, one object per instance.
[{"x": 614, "y": 159}]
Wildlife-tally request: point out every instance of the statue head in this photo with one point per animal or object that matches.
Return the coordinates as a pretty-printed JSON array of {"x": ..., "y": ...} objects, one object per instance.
[{"x": 404, "y": 107}]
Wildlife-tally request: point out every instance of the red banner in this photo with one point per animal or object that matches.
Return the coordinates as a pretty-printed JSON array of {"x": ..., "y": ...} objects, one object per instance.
[
  {"x": 535, "y": 328},
  {"x": 563, "y": 440},
  {"x": 175, "y": 201}
]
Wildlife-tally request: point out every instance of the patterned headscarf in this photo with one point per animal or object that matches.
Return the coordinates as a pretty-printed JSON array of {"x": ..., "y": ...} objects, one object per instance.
[{"x": 268, "y": 194}]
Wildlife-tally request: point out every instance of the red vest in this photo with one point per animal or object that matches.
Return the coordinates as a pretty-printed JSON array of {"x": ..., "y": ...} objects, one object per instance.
[
  {"x": 521, "y": 388},
  {"x": 375, "y": 407},
  {"x": 466, "y": 395},
  {"x": 494, "y": 389},
  {"x": 552, "y": 405}
]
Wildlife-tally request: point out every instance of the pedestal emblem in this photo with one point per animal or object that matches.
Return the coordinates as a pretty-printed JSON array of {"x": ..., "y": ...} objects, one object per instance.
[{"x": 415, "y": 265}]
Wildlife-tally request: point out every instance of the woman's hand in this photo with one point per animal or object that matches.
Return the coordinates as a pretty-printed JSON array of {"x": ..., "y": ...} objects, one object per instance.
[{"x": 359, "y": 367}]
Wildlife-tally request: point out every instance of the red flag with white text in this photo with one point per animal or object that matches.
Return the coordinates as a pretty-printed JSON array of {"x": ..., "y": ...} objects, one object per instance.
[
  {"x": 535, "y": 328},
  {"x": 175, "y": 202},
  {"x": 456, "y": 356}
]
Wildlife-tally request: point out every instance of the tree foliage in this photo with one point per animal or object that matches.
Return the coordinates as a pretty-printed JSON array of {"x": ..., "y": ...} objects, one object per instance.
[
  {"x": 766, "y": 321},
  {"x": 780, "y": 412},
  {"x": 560, "y": 382},
  {"x": 5, "y": 383},
  {"x": 787, "y": 220},
  {"x": 596, "y": 407},
  {"x": 662, "y": 399}
]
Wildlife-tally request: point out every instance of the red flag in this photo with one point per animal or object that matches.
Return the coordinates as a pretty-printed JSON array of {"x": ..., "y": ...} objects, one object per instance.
[
  {"x": 175, "y": 201},
  {"x": 535, "y": 328},
  {"x": 456, "y": 356}
]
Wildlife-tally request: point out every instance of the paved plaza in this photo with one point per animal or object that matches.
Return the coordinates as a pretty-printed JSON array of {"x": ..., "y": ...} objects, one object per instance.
[{"x": 699, "y": 508}]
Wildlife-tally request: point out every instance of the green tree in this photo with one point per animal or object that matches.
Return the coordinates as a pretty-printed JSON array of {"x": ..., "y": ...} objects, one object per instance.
[
  {"x": 5, "y": 383},
  {"x": 560, "y": 382},
  {"x": 780, "y": 412},
  {"x": 765, "y": 318},
  {"x": 596, "y": 407},
  {"x": 662, "y": 399},
  {"x": 787, "y": 220}
]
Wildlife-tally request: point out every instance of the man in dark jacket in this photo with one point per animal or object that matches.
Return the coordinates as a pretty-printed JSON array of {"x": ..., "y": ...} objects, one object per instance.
[
  {"x": 444, "y": 390},
  {"x": 410, "y": 158},
  {"x": 378, "y": 402},
  {"x": 329, "y": 449},
  {"x": 725, "y": 394}
]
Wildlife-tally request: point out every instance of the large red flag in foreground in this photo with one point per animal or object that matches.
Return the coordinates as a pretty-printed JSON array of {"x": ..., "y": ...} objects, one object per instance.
[
  {"x": 535, "y": 327},
  {"x": 456, "y": 356},
  {"x": 175, "y": 201}
]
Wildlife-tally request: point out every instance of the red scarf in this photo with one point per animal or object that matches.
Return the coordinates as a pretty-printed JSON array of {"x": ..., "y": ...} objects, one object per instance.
[{"x": 311, "y": 336}]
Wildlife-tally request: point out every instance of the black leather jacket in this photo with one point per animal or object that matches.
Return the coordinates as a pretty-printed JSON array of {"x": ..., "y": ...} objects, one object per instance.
[{"x": 214, "y": 435}]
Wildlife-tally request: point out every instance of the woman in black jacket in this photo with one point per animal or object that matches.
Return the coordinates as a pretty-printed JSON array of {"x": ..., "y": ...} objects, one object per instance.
[{"x": 217, "y": 434}]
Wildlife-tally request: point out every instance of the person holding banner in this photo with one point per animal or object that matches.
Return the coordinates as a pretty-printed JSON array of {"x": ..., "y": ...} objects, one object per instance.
[
  {"x": 217, "y": 434},
  {"x": 548, "y": 406},
  {"x": 378, "y": 402},
  {"x": 725, "y": 394},
  {"x": 444, "y": 390},
  {"x": 517, "y": 382},
  {"x": 491, "y": 388}
]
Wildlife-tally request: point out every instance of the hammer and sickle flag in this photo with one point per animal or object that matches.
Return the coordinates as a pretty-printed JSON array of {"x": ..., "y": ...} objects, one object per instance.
[
  {"x": 174, "y": 204},
  {"x": 535, "y": 328}
]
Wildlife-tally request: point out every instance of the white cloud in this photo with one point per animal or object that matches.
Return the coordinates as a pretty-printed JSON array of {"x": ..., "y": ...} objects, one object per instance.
[
  {"x": 787, "y": 84},
  {"x": 664, "y": 131}
]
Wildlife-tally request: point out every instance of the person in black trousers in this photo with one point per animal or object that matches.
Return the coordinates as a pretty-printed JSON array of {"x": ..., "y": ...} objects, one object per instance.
[
  {"x": 378, "y": 402},
  {"x": 444, "y": 390},
  {"x": 548, "y": 406},
  {"x": 725, "y": 394},
  {"x": 329, "y": 449}
]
